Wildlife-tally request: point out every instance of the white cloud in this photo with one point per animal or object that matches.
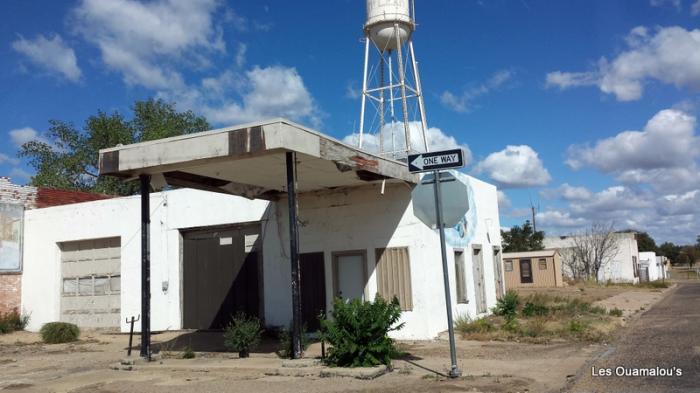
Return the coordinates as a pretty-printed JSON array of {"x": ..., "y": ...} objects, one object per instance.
[
  {"x": 463, "y": 102},
  {"x": 20, "y": 174},
  {"x": 679, "y": 204},
  {"x": 565, "y": 80},
  {"x": 695, "y": 8},
  {"x": 503, "y": 200},
  {"x": 141, "y": 40},
  {"x": 4, "y": 158},
  {"x": 567, "y": 192},
  {"x": 275, "y": 91},
  {"x": 664, "y": 154},
  {"x": 515, "y": 166},
  {"x": 437, "y": 139},
  {"x": 51, "y": 54},
  {"x": 241, "y": 55},
  {"x": 661, "y": 3},
  {"x": 671, "y": 55},
  {"x": 558, "y": 219},
  {"x": 20, "y": 136},
  {"x": 615, "y": 200}
]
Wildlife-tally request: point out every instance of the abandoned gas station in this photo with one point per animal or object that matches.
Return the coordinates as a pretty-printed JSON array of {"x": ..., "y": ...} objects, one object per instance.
[{"x": 270, "y": 218}]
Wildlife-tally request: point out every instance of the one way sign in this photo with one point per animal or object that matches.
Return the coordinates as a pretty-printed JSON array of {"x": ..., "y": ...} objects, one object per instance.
[{"x": 425, "y": 162}]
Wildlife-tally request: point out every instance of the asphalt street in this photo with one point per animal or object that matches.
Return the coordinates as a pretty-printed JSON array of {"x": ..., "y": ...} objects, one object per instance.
[{"x": 664, "y": 340}]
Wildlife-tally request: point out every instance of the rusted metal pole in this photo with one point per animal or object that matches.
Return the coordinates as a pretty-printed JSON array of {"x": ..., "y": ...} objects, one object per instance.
[
  {"x": 294, "y": 254},
  {"x": 145, "y": 266}
]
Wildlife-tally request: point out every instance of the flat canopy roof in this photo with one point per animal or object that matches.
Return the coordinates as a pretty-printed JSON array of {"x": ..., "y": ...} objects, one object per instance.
[{"x": 249, "y": 160}]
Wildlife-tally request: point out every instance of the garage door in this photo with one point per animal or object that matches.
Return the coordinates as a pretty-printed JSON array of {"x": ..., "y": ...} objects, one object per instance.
[{"x": 91, "y": 274}]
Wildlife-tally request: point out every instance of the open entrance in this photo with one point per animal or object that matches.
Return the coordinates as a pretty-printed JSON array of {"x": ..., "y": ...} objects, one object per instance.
[
  {"x": 313, "y": 289},
  {"x": 222, "y": 275},
  {"x": 525, "y": 271}
]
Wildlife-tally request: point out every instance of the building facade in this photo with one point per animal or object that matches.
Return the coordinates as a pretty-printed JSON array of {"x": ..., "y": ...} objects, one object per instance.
[
  {"x": 622, "y": 267},
  {"x": 533, "y": 269},
  {"x": 214, "y": 254}
]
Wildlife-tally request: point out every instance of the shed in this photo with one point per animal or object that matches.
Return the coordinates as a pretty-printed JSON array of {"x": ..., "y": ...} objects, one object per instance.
[{"x": 533, "y": 269}]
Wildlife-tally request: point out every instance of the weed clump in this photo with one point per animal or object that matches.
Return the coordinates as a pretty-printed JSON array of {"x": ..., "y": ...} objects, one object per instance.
[
  {"x": 12, "y": 321},
  {"x": 59, "y": 332},
  {"x": 359, "y": 332},
  {"x": 242, "y": 334},
  {"x": 465, "y": 325}
]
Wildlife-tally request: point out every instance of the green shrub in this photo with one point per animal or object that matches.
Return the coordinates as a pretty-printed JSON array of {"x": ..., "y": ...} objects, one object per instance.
[
  {"x": 359, "y": 332},
  {"x": 535, "y": 327},
  {"x": 511, "y": 325},
  {"x": 615, "y": 312},
  {"x": 188, "y": 354},
  {"x": 12, "y": 321},
  {"x": 465, "y": 325},
  {"x": 576, "y": 326},
  {"x": 535, "y": 309},
  {"x": 59, "y": 332},
  {"x": 287, "y": 344},
  {"x": 507, "y": 305},
  {"x": 597, "y": 310},
  {"x": 242, "y": 334}
]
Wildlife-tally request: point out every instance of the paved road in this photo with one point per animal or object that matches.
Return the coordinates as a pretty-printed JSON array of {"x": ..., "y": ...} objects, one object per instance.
[{"x": 666, "y": 337}]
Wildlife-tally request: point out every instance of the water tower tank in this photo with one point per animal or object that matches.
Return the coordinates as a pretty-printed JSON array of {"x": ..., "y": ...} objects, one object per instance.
[{"x": 381, "y": 17}]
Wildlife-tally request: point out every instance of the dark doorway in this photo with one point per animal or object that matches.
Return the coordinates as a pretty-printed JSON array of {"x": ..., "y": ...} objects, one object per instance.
[
  {"x": 525, "y": 271},
  {"x": 313, "y": 289},
  {"x": 221, "y": 276}
]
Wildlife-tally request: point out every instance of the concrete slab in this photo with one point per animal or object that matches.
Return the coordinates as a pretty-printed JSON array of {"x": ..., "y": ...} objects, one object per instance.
[
  {"x": 355, "y": 372},
  {"x": 249, "y": 160}
]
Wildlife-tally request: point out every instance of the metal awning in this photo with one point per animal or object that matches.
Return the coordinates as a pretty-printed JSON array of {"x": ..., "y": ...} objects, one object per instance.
[{"x": 249, "y": 160}]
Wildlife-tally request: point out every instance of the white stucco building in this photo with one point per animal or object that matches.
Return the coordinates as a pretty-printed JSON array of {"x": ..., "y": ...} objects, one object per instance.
[
  {"x": 623, "y": 267},
  {"x": 213, "y": 254},
  {"x": 652, "y": 267}
]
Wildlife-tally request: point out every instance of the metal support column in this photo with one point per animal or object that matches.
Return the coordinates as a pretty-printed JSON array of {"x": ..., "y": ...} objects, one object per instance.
[
  {"x": 419, "y": 94},
  {"x": 454, "y": 370},
  {"x": 294, "y": 254},
  {"x": 402, "y": 81},
  {"x": 145, "y": 266},
  {"x": 364, "y": 94}
]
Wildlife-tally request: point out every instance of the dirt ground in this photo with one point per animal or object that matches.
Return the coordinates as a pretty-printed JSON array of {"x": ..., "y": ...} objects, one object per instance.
[{"x": 27, "y": 365}]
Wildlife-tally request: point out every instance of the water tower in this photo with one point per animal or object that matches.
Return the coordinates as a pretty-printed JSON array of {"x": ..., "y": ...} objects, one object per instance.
[{"x": 391, "y": 83}]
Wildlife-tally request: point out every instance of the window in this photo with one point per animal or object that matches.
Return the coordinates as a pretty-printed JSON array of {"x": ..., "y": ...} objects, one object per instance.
[
  {"x": 91, "y": 285},
  {"x": 525, "y": 271},
  {"x": 543, "y": 264},
  {"x": 508, "y": 265},
  {"x": 394, "y": 276},
  {"x": 635, "y": 267},
  {"x": 461, "y": 284}
]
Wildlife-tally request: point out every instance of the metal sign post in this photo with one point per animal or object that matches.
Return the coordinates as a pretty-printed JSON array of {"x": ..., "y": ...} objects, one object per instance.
[
  {"x": 454, "y": 370},
  {"x": 435, "y": 161}
]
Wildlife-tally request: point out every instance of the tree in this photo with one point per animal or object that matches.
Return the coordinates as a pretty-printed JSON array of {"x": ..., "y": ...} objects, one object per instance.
[
  {"x": 591, "y": 251},
  {"x": 68, "y": 157},
  {"x": 670, "y": 251},
  {"x": 690, "y": 255},
  {"x": 645, "y": 242},
  {"x": 522, "y": 238}
]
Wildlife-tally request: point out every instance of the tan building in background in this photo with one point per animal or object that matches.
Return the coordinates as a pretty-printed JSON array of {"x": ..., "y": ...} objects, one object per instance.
[{"x": 533, "y": 269}]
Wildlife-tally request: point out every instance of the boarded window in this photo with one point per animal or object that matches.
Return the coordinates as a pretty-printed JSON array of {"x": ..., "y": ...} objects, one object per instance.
[
  {"x": 508, "y": 265},
  {"x": 461, "y": 284},
  {"x": 543, "y": 264},
  {"x": 91, "y": 285},
  {"x": 394, "y": 276}
]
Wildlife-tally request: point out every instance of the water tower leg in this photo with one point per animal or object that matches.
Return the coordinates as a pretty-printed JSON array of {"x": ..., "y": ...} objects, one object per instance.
[
  {"x": 419, "y": 95},
  {"x": 402, "y": 81},
  {"x": 364, "y": 94},
  {"x": 381, "y": 102}
]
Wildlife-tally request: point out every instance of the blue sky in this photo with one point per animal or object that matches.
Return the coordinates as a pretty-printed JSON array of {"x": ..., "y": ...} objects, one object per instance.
[{"x": 586, "y": 108}]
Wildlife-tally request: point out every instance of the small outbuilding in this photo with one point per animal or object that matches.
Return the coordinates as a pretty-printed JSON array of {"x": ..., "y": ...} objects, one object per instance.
[{"x": 533, "y": 269}]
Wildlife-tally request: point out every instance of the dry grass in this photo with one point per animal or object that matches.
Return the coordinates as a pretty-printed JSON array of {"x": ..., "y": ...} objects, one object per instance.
[{"x": 543, "y": 317}]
